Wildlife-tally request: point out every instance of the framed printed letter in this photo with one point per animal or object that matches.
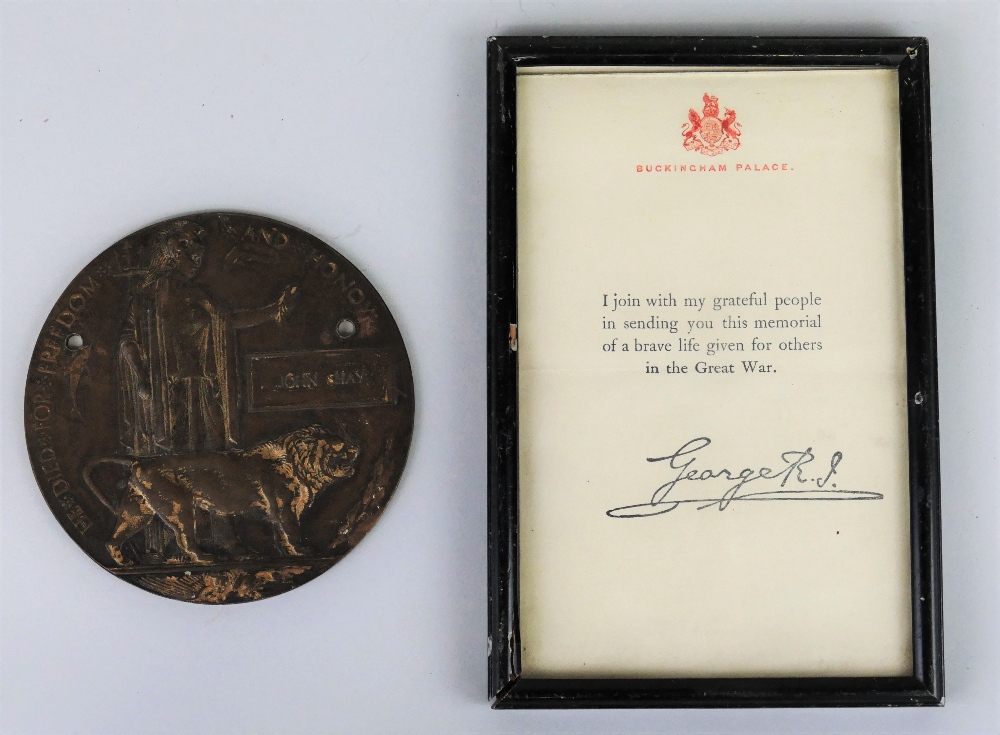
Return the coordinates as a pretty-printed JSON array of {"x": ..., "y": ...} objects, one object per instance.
[{"x": 713, "y": 403}]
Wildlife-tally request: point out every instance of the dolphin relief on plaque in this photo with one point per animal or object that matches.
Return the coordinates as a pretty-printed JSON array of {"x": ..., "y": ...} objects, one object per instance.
[{"x": 219, "y": 408}]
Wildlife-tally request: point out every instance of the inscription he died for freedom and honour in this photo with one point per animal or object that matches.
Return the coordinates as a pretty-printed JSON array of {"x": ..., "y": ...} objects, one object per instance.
[{"x": 218, "y": 408}]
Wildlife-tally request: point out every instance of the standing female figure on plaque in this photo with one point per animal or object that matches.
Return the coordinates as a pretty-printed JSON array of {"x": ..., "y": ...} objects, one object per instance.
[{"x": 175, "y": 361}]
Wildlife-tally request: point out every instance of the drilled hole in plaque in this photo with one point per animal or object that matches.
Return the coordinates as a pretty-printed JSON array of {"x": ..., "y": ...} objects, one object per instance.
[
  {"x": 74, "y": 342},
  {"x": 346, "y": 329}
]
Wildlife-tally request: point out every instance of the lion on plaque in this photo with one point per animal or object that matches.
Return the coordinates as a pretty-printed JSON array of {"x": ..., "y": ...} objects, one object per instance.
[{"x": 276, "y": 480}]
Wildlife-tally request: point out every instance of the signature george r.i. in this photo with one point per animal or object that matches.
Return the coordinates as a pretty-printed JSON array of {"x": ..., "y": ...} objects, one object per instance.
[{"x": 794, "y": 481}]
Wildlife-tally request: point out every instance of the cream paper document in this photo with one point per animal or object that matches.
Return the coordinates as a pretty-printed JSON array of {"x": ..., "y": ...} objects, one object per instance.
[{"x": 712, "y": 377}]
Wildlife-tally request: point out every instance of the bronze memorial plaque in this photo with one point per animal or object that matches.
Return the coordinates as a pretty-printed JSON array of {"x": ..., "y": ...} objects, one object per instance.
[{"x": 218, "y": 408}]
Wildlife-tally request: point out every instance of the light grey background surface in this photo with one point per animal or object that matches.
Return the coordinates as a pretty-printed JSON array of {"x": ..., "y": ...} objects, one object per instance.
[{"x": 366, "y": 125}]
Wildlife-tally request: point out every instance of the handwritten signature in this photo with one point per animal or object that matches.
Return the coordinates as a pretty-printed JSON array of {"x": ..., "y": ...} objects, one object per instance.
[{"x": 683, "y": 460}]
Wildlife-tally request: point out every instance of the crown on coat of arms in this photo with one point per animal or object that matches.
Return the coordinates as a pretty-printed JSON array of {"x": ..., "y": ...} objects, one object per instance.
[{"x": 711, "y": 108}]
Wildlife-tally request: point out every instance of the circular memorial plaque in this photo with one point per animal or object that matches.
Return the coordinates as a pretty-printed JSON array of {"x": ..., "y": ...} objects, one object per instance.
[{"x": 218, "y": 408}]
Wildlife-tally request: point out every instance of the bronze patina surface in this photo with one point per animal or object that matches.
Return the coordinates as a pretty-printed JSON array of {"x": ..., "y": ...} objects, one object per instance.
[{"x": 218, "y": 408}]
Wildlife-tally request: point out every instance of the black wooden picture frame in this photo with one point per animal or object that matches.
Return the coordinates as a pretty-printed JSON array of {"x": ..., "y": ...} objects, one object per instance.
[{"x": 909, "y": 56}]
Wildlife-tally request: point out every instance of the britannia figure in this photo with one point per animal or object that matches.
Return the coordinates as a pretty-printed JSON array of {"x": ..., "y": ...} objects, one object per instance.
[{"x": 175, "y": 358}]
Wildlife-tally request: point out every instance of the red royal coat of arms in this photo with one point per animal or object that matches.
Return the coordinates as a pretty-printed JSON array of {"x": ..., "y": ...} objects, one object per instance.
[{"x": 708, "y": 133}]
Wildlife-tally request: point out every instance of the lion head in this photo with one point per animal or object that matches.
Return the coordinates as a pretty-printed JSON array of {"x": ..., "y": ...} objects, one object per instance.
[
  {"x": 319, "y": 456},
  {"x": 310, "y": 458}
]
